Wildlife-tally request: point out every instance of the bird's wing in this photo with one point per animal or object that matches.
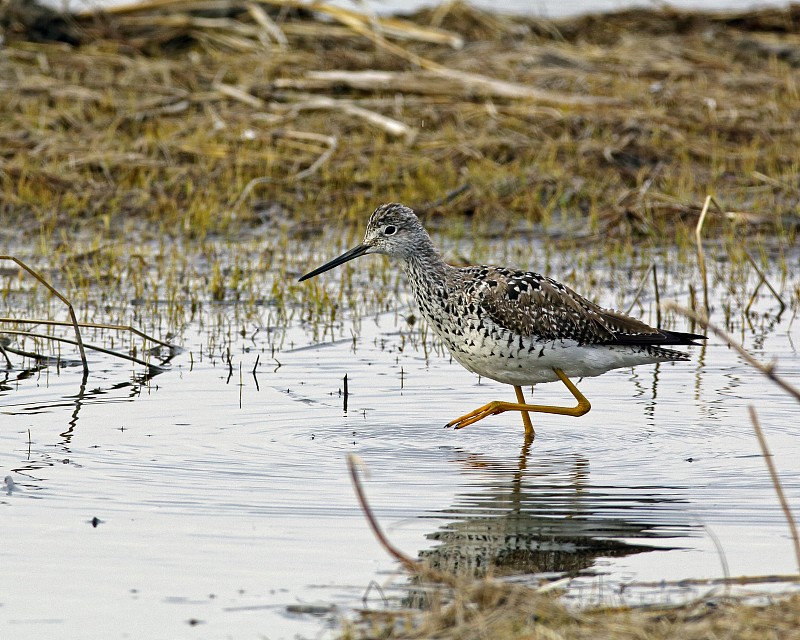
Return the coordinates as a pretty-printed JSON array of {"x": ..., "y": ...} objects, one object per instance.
[{"x": 530, "y": 304}]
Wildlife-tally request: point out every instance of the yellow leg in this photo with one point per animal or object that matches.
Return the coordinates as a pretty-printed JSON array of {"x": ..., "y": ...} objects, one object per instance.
[
  {"x": 498, "y": 406},
  {"x": 526, "y": 417}
]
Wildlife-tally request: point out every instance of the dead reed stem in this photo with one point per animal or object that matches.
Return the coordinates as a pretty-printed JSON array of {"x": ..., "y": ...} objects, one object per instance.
[
  {"x": 640, "y": 288},
  {"x": 755, "y": 266},
  {"x": 57, "y": 294},
  {"x": 701, "y": 260},
  {"x": 93, "y": 347},
  {"x": 767, "y": 369},
  {"x": 439, "y": 81},
  {"x": 406, "y": 561},
  {"x": 776, "y": 483},
  {"x": 410, "y": 564},
  {"x": 658, "y": 295},
  {"x": 91, "y": 325}
]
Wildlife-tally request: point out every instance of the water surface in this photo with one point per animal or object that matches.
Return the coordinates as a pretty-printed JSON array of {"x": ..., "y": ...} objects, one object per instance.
[{"x": 223, "y": 501}]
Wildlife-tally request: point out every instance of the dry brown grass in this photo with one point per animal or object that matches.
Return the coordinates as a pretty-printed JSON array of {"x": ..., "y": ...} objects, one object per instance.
[
  {"x": 165, "y": 115},
  {"x": 502, "y": 613}
]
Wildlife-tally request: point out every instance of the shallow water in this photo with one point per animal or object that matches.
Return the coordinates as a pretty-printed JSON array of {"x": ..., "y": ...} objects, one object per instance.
[{"x": 224, "y": 501}]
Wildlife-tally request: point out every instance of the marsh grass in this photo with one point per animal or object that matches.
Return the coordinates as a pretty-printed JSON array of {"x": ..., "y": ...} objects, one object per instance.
[
  {"x": 172, "y": 118},
  {"x": 175, "y": 125},
  {"x": 490, "y": 610}
]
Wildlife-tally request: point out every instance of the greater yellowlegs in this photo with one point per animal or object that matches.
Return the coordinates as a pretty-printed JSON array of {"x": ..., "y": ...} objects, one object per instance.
[{"x": 516, "y": 327}]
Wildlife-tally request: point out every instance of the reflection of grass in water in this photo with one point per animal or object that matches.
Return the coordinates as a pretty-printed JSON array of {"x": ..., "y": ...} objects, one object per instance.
[{"x": 230, "y": 286}]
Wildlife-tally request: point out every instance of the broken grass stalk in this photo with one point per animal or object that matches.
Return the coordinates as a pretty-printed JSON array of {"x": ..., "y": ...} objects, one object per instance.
[
  {"x": 109, "y": 352},
  {"x": 652, "y": 268},
  {"x": 776, "y": 483},
  {"x": 92, "y": 325},
  {"x": 701, "y": 260},
  {"x": 767, "y": 369},
  {"x": 411, "y": 565},
  {"x": 57, "y": 294},
  {"x": 765, "y": 281}
]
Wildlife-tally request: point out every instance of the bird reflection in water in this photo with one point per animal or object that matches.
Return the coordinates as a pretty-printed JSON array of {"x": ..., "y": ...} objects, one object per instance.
[{"x": 540, "y": 514}]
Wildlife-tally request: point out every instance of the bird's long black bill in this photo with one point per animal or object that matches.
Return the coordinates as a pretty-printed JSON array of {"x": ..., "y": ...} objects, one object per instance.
[{"x": 355, "y": 252}]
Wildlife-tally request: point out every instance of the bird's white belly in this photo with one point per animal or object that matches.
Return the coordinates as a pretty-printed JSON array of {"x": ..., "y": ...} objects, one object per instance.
[{"x": 526, "y": 362}]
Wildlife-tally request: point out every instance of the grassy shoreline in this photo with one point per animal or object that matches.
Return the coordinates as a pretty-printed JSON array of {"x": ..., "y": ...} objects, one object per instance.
[{"x": 620, "y": 124}]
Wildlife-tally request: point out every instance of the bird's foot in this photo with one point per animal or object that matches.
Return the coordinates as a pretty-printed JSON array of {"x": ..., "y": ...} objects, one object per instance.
[{"x": 492, "y": 409}]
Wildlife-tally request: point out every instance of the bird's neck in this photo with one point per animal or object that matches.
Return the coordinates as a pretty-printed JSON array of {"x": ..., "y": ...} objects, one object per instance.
[{"x": 427, "y": 274}]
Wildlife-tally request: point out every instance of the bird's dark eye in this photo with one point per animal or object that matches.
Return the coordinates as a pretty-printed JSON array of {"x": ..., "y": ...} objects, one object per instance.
[{"x": 389, "y": 230}]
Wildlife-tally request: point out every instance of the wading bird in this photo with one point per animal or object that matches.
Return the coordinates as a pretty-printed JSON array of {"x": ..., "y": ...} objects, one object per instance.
[{"x": 516, "y": 327}]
